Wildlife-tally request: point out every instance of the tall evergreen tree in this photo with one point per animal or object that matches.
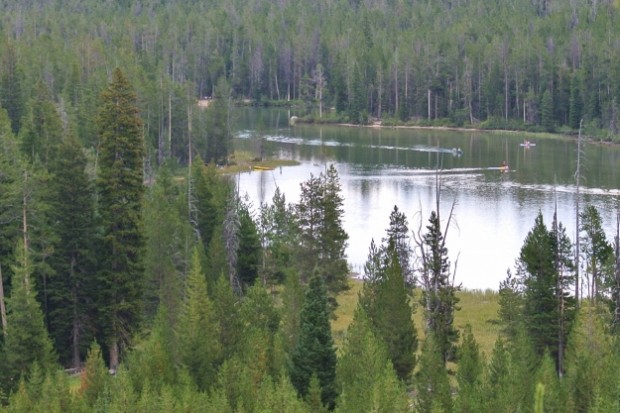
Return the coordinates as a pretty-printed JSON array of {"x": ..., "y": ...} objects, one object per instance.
[
  {"x": 41, "y": 130},
  {"x": 26, "y": 341},
  {"x": 390, "y": 313},
  {"x": 333, "y": 237},
  {"x": 315, "y": 353},
  {"x": 322, "y": 238},
  {"x": 120, "y": 188},
  {"x": 596, "y": 251},
  {"x": 510, "y": 306},
  {"x": 547, "y": 308},
  {"x": 11, "y": 88},
  {"x": 439, "y": 296},
  {"x": 546, "y": 111},
  {"x": 219, "y": 136},
  {"x": 249, "y": 252},
  {"x": 398, "y": 234},
  {"x": 469, "y": 374},
  {"x": 198, "y": 330},
  {"x": 432, "y": 383},
  {"x": 575, "y": 113},
  {"x": 367, "y": 377},
  {"x": 72, "y": 289}
]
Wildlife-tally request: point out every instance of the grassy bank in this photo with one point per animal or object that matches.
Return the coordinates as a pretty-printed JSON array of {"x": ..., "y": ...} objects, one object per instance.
[
  {"x": 242, "y": 161},
  {"x": 478, "y": 308}
]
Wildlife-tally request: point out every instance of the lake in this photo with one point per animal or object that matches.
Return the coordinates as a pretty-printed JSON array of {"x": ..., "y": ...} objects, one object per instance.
[{"x": 383, "y": 167}]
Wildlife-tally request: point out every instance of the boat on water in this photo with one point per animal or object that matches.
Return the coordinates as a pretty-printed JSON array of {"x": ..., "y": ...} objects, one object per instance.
[
  {"x": 527, "y": 144},
  {"x": 262, "y": 168}
]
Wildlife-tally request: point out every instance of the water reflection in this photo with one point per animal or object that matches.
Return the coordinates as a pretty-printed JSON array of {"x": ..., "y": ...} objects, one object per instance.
[{"x": 382, "y": 168}]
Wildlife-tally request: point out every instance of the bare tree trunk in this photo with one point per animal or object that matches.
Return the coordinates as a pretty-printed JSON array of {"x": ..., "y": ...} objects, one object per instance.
[
  {"x": 2, "y": 306},
  {"x": 616, "y": 294},
  {"x": 169, "y": 123},
  {"x": 113, "y": 355},
  {"x": 577, "y": 176},
  {"x": 75, "y": 328},
  {"x": 428, "y": 108}
]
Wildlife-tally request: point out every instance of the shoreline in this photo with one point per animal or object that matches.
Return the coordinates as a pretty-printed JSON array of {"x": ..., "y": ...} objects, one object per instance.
[{"x": 542, "y": 135}]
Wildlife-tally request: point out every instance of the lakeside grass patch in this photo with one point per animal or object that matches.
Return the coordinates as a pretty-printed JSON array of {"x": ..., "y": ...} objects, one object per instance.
[{"x": 477, "y": 308}]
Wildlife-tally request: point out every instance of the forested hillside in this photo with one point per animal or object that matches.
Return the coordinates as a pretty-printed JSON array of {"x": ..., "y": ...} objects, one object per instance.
[
  {"x": 543, "y": 64},
  {"x": 135, "y": 278}
]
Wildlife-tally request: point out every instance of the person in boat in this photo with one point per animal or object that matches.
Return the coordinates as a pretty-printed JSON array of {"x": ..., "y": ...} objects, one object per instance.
[{"x": 504, "y": 166}]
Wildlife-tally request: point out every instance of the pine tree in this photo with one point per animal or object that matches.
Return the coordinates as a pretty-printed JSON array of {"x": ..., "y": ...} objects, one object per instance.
[
  {"x": 120, "y": 188},
  {"x": 309, "y": 217},
  {"x": 94, "y": 377},
  {"x": 432, "y": 384},
  {"x": 367, "y": 377},
  {"x": 392, "y": 317},
  {"x": 219, "y": 133},
  {"x": 71, "y": 290},
  {"x": 597, "y": 252},
  {"x": 166, "y": 252},
  {"x": 332, "y": 235},
  {"x": 41, "y": 129},
  {"x": 249, "y": 251},
  {"x": 536, "y": 267},
  {"x": 10, "y": 167},
  {"x": 322, "y": 237},
  {"x": 496, "y": 384},
  {"x": 575, "y": 111},
  {"x": 398, "y": 234},
  {"x": 510, "y": 306},
  {"x": 26, "y": 341},
  {"x": 546, "y": 111},
  {"x": 439, "y": 296},
  {"x": 11, "y": 90},
  {"x": 315, "y": 353},
  {"x": 198, "y": 330},
  {"x": 469, "y": 374}
]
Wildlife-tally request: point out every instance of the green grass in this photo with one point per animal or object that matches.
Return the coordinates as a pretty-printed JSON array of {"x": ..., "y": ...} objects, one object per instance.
[{"x": 477, "y": 308}]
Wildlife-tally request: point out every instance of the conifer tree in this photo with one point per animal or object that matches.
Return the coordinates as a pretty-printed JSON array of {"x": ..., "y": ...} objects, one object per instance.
[
  {"x": 575, "y": 110},
  {"x": 249, "y": 250},
  {"x": 536, "y": 268},
  {"x": 198, "y": 331},
  {"x": 367, "y": 377},
  {"x": 219, "y": 136},
  {"x": 94, "y": 377},
  {"x": 120, "y": 188},
  {"x": 41, "y": 129},
  {"x": 71, "y": 290},
  {"x": 439, "y": 296},
  {"x": 392, "y": 317},
  {"x": 432, "y": 384},
  {"x": 26, "y": 341},
  {"x": 332, "y": 234},
  {"x": 596, "y": 251},
  {"x": 510, "y": 306},
  {"x": 469, "y": 374},
  {"x": 11, "y": 88},
  {"x": 398, "y": 234},
  {"x": 546, "y": 111},
  {"x": 167, "y": 254},
  {"x": 496, "y": 385},
  {"x": 315, "y": 353},
  {"x": 322, "y": 238}
]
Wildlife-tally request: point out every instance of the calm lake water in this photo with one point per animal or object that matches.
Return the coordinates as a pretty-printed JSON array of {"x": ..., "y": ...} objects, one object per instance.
[{"x": 380, "y": 168}]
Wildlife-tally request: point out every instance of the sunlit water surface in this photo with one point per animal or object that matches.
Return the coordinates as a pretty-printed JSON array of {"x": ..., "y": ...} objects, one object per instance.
[{"x": 378, "y": 169}]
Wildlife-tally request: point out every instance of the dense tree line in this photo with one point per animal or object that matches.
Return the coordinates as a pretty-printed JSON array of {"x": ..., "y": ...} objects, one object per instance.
[
  {"x": 527, "y": 64},
  {"x": 108, "y": 259}
]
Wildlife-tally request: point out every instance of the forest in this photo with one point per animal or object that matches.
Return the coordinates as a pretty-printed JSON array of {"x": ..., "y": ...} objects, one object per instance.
[{"x": 133, "y": 276}]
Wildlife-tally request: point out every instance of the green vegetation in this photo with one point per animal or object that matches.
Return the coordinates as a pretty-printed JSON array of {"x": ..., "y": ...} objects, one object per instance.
[{"x": 198, "y": 300}]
